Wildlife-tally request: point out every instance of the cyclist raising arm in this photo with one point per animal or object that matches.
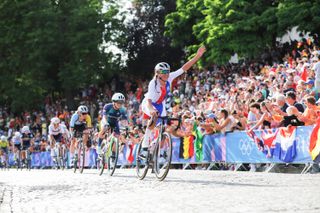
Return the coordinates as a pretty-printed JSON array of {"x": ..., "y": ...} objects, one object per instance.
[{"x": 154, "y": 100}]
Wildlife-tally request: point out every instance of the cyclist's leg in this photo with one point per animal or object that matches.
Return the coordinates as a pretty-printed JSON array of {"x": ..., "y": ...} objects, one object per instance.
[
  {"x": 85, "y": 137},
  {"x": 52, "y": 148},
  {"x": 101, "y": 135},
  {"x": 150, "y": 126},
  {"x": 73, "y": 145},
  {"x": 148, "y": 133}
]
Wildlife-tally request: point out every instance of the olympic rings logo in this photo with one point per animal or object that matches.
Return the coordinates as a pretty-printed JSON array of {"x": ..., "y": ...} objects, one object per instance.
[{"x": 245, "y": 147}]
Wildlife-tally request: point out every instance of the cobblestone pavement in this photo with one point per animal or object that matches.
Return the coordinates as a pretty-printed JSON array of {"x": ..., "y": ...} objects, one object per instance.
[{"x": 182, "y": 191}]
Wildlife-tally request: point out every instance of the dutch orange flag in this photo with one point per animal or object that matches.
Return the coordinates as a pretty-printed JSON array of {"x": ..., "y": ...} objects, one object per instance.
[{"x": 314, "y": 146}]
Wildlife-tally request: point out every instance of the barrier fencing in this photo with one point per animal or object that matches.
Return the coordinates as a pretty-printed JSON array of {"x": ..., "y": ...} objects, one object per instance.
[{"x": 268, "y": 146}]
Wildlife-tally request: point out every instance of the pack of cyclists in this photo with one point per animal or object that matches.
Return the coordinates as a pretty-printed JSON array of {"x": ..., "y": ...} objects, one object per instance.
[{"x": 113, "y": 117}]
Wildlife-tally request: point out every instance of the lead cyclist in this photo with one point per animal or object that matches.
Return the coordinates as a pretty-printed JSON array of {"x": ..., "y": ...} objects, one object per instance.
[{"x": 153, "y": 103}]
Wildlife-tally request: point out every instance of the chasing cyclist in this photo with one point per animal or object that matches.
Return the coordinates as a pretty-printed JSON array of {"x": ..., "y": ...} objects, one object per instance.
[
  {"x": 153, "y": 104},
  {"x": 111, "y": 114},
  {"x": 27, "y": 142},
  {"x": 79, "y": 123},
  {"x": 57, "y": 134},
  {"x": 4, "y": 145}
]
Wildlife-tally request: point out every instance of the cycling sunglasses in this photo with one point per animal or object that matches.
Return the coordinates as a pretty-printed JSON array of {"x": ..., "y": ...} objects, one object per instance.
[
  {"x": 119, "y": 102},
  {"x": 164, "y": 71}
]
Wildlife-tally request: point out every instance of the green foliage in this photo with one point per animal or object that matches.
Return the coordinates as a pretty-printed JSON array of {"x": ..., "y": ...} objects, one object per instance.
[
  {"x": 246, "y": 27},
  {"x": 48, "y": 46},
  {"x": 179, "y": 24},
  {"x": 145, "y": 43},
  {"x": 304, "y": 14}
]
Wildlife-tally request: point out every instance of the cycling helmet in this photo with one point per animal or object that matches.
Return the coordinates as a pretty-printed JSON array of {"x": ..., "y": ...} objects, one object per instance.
[
  {"x": 118, "y": 97},
  {"x": 55, "y": 120},
  {"x": 162, "y": 66},
  {"x": 3, "y": 138},
  {"x": 17, "y": 134},
  {"x": 25, "y": 129},
  {"x": 83, "y": 109}
]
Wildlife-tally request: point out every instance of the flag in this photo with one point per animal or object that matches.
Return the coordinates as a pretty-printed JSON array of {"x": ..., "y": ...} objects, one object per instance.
[
  {"x": 129, "y": 155},
  {"x": 256, "y": 140},
  {"x": 268, "y": 136},
  {"x": 304, "y": 74},
  {"x": 314, "y": 147},
  {"x": 186, "y": 147},
  {"x": 285, "y": 144},
  {"x": 198, "y": 142}
]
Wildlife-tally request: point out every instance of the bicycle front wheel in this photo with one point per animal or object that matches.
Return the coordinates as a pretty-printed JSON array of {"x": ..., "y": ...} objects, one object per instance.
[
  {"x": 101, "y": 160},
  {"x": 142, "y": 164},
  {"x": 163, "y": 156},
  {"x": 82, "y": 156},
  {"x": 112, "y": 155}
]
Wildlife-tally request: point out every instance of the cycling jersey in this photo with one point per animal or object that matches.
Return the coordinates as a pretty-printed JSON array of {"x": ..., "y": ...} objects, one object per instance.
[
  {"x": 4, "y": 144},
  {"x": 75, "y": 121},
  {"x": 112, "y": 116},
  {"x": 26, "y": 138},
  {"x": 16, "y": 140},
  {"x": 56, "y": 131},
  {"x": 157, "y": 94}
]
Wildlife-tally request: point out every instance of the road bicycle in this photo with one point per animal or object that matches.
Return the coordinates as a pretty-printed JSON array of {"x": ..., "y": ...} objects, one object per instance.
[{"x": 159, "y": 153}]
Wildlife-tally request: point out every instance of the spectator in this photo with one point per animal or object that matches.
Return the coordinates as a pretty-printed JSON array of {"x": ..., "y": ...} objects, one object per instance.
[
  {"x": 309, "y": 117},
  {"x": 291, "y": 100},
  {"x": 291, "y": 119}
]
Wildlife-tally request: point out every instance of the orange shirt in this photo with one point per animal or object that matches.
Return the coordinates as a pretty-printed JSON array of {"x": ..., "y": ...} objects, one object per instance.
[{"x": 310, "y": 116}]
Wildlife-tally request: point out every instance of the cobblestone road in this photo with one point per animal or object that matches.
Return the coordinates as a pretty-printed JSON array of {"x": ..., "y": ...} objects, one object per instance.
[{"x": 182, "y": 191}]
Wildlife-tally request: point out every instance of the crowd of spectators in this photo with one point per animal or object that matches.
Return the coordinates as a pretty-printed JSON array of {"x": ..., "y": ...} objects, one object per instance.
[{"x": 243, "y": 96}]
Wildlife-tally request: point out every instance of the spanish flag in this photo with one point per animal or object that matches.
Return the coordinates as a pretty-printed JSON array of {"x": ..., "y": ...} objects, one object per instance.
[{"x": 314, "y": 146}]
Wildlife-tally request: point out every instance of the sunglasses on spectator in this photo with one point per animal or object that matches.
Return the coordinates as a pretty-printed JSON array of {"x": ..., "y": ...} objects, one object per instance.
[{"x": 164, "y": 71}]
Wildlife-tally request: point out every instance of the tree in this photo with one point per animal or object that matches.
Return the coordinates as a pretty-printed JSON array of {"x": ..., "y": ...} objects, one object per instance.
[
  {"x": 304, "y": 14},
  {"x": 145, "y": 43},
  {"x": 23, "y": 62},
  {"x": 49, "y": 46},
  {"x": 179, "y": 24},
  {"x": 246, "y": 27}
]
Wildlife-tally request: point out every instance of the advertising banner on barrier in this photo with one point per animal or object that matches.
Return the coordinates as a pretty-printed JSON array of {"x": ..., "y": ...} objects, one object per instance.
[{"x": 266, "y": 146}]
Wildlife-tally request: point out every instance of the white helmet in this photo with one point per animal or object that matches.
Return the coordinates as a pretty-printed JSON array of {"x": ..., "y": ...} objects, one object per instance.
[
  {"x": 25, "y": 129},
  {"x": 162, "y": 66},
  {"x": 118, "y": 97},
  {"x": 17, "y": 134},
  {"x": 3, "y": 138},
  {"x": 55, "y": 120},
  {"x": 83, "y": 109}
]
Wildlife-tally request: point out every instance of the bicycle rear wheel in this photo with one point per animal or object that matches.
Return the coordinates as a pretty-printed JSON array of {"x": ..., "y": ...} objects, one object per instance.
[
  {"x": 82, "y": 156},
  {"x": 112, "y": 156},
  {"x": 142, "y": 164},
  {"x": 163, "y": 156}
]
